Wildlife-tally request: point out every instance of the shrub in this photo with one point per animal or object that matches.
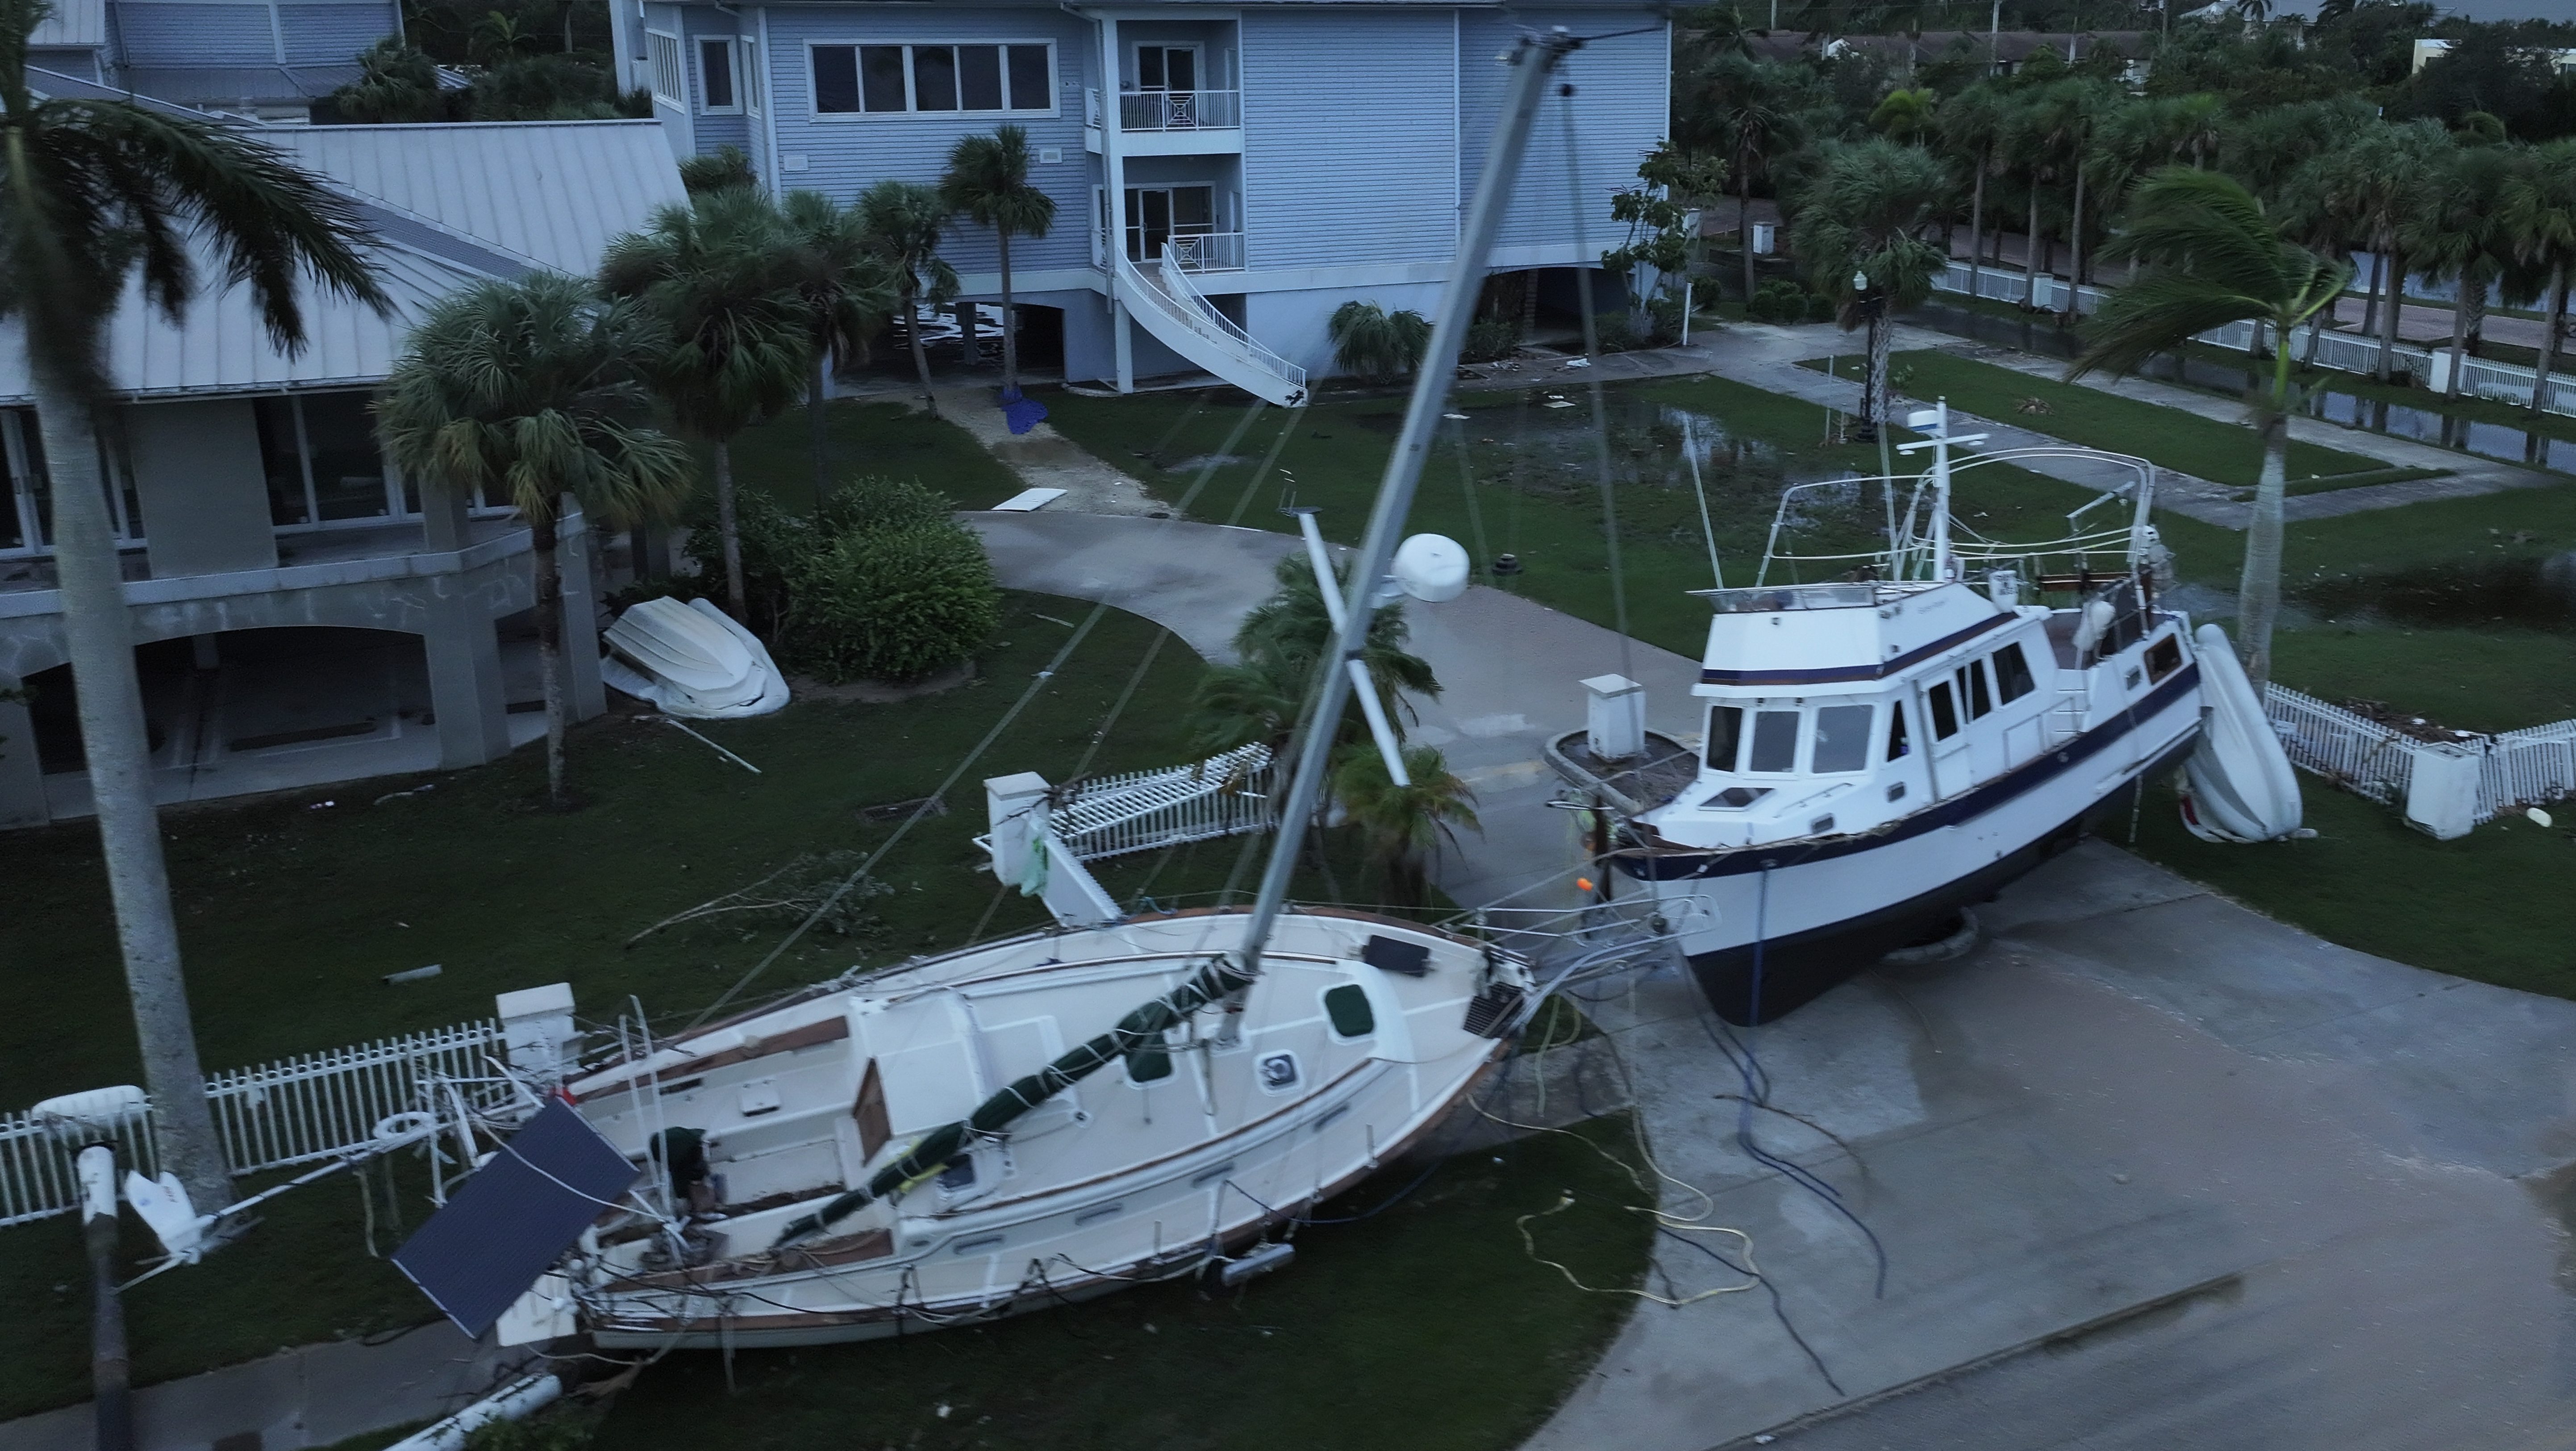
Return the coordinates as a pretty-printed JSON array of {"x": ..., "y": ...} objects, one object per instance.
[
  {"x": 552, "y": 88},
  {"x": 773, "y": 542},
  {"x": 1490, "y": 340},
  {"x": 1777, "y": 301},
  {"x": 1374, "y": 343},
  {"x": 722, "y": 169},
  {"x": 874, "y": 503},
  {"x": 1612, "y": 332},
  {"x": 893, "y": 604}
]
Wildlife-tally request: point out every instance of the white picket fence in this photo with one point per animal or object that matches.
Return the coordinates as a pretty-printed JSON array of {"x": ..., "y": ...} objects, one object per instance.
[
  {"x": 2516, "y": 769},
  {"x": 2342, "y": 351},
  {"x": 277, "y": 1115},
  {"x": 1145, "y": 810}
]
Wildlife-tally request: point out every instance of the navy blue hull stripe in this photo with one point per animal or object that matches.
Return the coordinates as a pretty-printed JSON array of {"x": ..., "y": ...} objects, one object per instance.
[
  {"x": 1852, "y": 672},
  {"x": 1735, "y": 861}
]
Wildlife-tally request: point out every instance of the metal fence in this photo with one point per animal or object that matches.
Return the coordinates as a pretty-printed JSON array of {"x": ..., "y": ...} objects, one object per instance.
[
  {"x": 274, "y": 1116},
  {"x": 2518, "y": 768},
  {"x": 1143, "y": 810}
]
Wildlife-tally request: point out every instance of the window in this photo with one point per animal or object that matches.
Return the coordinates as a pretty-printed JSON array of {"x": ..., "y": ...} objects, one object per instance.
[
  {"x": 1725, "y": 736},
  {"x": 1972, "y": 689},
  {"x": 1945, "y": 713},
  {"x": 319, "y": 453},
  {"x": 1897, "y": 746},
  {"x": 2012, "y": 674},
  {"x": 664, "y": 53},
  {"x": 21, "y": 460},
  {"x": 1775, "y": 741},
  {"x": 1842, "y": 738},
  {"x": 716, "y": 93},
  {"x": 2164, "y": 657},
  {"x": 1167, "y": 67},
  {"x": 933, "y": 79},
  {"x": 1348, "y": 1007}
]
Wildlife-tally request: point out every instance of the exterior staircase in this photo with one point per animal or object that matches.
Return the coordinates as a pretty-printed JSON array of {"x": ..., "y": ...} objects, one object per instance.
[{"x": 1173, "y": 309}]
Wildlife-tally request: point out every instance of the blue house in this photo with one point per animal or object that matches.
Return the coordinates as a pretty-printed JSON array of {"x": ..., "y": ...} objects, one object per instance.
[{"x": 1224, "y": 176}]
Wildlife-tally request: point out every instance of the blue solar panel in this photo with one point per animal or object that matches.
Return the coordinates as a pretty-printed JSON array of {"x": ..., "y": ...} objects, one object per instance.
[{"x": 515, "y": 1217}]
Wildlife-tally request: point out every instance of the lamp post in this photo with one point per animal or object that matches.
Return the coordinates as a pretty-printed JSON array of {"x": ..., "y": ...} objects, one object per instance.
[{"x": 1868, "y": 302}]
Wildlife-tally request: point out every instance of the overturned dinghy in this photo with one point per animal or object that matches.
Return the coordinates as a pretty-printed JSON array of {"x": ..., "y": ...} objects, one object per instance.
[
  {"x": 691, "y": 660},
  {"x": 2237, "y": 785}
]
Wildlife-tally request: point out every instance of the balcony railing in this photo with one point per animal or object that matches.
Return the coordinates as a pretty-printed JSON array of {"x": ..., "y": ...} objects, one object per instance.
[
  {"x": 1196, "y": 252},
  {"x": 1180, "y": 110}
]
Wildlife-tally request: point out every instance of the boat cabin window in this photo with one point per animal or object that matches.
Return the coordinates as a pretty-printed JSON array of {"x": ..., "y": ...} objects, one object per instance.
[
  {"x": 1945, "y": 713},
  {"x": 1842, "y": 739},
  {"x": 1896, "y": 742},
  {"x": 1775, "y": 741},
  {"x": 1348, "y": 1007},
  {"x": 2012, "y": 674},
  {"x": 1725, "y": 736},
  {"x": 2164, "y": 657},
  {"x": 1972, "y": 689}
]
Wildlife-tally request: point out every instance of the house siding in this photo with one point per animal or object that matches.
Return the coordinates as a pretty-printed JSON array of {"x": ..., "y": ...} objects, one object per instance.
[
  {"x": 845, "y": 156},
  {"x": 724, "y": 128},
  {"x": 80, "y": 65},
  {"x": 1344, "y": 163},
  {"x": 332, "y": 34},
  {"x": 1619, "y": 113},
  {"x": 196, "y": 35}
]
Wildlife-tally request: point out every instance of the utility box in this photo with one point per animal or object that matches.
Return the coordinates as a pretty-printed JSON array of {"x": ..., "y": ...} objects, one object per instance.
[
  {"x": 1766, "y": 238},
  {"x": 537, "y": 1030},
  {"x": 1615, "y": 724},
  {"x": 1015, "y": 808},
  {"x": 2442, "y": 790}
]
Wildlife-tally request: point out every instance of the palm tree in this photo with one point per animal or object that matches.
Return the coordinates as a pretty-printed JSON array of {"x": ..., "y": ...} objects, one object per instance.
[
  {"x": 988, "y": 180},
  {"x": 1277, "y": 647},
  {"x": 722, "y": 279},
  {"x": 2372, "y": 185},
  {"x": 1749, "y": 109},
  {"x": 1375, "y": 343},
  {"x": 2212, "y": 257},
  {"x": 849, "y": 294},
  {"x": 2457, "y": 238},
  {"x": 531, "y": 391},
  {"x": 1864, "y": 214},
  {"x": 1973, "y": 123},
  {"x": 90, "y": 192},
  {"x": 1907, "y": 117},
  {"x": 2537, "y": 210},
  {"x": 1402, "y": 825},
  {"x": 904, "y": 220}
]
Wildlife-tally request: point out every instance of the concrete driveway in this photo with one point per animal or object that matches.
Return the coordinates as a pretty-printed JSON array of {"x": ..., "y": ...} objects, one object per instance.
[{"x": 2150, "y": 1170}]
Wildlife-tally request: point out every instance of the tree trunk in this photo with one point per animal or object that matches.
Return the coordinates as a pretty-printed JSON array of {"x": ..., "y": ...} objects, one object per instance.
[
  {"x": 1873, "y": 392},
  {"x": 920, "y": 358},
  {"x": 2075, "y": 254},
  {"x": 100, "y": 640},
  {"x": 2460, "y": 329},
  {"x": 2384, "y": 367},
  {"x": 2370, "y": 304},
  {"x": 1010, "y": 332},
  {"x": 1744, "y": 230},
  {"x": 2551, "y": 317},
  {"x": 728, "y": 532},
  {"x": 550, "y": 666},
  {"x": 2478, "y": 311},
  {"x": 966, "y": 331},
  {"x": 2258, "y": 589},
  {"x": 2030, "y": 253},
  {"x": 818, "y": 426},
  {"x": 1977, "y": 222}
]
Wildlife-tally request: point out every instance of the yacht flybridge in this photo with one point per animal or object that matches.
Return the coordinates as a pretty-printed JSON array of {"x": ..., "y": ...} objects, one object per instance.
[{"x": 1883, "y": 749}]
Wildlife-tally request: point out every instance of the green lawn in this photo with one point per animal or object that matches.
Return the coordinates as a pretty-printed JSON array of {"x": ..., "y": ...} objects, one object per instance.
[
  {"x": 870, "y": 438},
  {"x": 2493, "y": 905},
  {"x": 2224, "y": 453},
  {"x": 1426, "y": 1327}
]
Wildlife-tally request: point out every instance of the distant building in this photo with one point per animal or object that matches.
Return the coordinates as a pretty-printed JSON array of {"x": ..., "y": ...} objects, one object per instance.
[
  {"x": 305, "y": 612},
  {"x": 1224, "y": 178},
  {"x": 2427, "y": 49},
  {"x": 266, "y": 58}
]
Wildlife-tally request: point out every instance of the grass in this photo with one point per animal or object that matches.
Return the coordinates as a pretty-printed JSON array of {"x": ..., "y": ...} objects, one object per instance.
[
  {"x": 2498, "y": 679},
  {"x": 1426, "y": 1327},
  {"x": 2224, "y": 453},
  {"x": 874, "y": 438},
  {"x": 2476, "y": 907}
]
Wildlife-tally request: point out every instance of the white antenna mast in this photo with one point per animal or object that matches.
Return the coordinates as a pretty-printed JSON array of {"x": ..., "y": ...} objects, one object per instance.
[{"x": 1937, "y": 419}]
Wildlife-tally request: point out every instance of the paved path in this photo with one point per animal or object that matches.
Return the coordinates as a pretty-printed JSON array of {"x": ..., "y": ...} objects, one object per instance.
[
  {"x": 2151, "y": 1170},
  {"x": 1042, "y": 457}
]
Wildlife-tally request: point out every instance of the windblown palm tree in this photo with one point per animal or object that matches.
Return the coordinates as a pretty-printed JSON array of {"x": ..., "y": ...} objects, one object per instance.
[
  {"x": 904, "y": 220},
  {"x": 1278, "y": 646},
  {"x": 1864, "y": 213},
  {"x": 2457, "y": 238},
  {"x": 90, "y": 193},
  {"x": 723, "y": 279},
  {"x": 988, "y": 180},
  {"x": 531, "y": 391},
  {"x": 2212, "y": 257},
  {"x": 1401, "y": 826},
  {"x": 849, "y": 294},
  {"x": 1974, "y": 124},
  {"x": 2537, "y": 209},
  {"x": 1375, "y": 343}
]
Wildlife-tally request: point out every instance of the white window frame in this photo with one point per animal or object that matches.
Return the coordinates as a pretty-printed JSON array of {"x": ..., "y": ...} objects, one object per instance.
[
  {"x": 20, "y": 500},
  {"x": 733, "y": 49},
  {"x": 666, "y": 63},
  {"x": 747, "y": 75},
  {"x": 1198, "y": 63},
  {"x": 909, "y": 112},
  {"x": 396, "y": 502}
]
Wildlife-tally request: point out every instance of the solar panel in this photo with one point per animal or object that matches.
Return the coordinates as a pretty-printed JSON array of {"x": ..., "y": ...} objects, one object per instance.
[{"x": 515, "y": 1217}]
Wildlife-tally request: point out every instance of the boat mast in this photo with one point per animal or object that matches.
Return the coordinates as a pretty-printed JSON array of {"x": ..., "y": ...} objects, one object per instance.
[{"x": 1534, "y": 60}]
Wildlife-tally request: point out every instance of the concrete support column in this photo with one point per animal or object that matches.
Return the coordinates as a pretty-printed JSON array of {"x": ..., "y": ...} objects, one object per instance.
[
  {"x": 465, "y": 686},
  {"x": 442, "y": 520},
  {"x": 22, "y": 776},
  {"x": 586, "y": 692}
]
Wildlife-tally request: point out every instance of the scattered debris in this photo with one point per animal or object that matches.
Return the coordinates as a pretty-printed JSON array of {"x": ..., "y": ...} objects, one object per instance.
[
  {"x": 398, "y": 795},
  {"x": 827, "y": 886},
  {"x": 896, "y": 810},
  {"x": 2033, "y": 405},
  {"x": 719, "y": 750},
  {"x": 417, "y": 974}
]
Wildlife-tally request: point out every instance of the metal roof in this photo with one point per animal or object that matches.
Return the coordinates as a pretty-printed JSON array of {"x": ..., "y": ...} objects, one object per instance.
[
  {"x": 75, "y": 24},
  {"x": 451, "y": 205},
  {"x": 240, "y": 85}
]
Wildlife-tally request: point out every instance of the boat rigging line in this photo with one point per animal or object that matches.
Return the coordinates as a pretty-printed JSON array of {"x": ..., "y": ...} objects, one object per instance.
[{"x": 1600, "y": 404}]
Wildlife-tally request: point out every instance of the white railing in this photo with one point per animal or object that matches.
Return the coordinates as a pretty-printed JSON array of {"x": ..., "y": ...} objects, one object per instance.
[
  {"x": 2517, "y": 768},
  {"x": 1194, "y": 251},
  {"x": 2327, "y": 348},
  {"x": 1145, "y": 810},
  {"x": 1180, "y": 110},
  {"x": 1170, "y": 293},
  {"x": 296, "y": 1111}
]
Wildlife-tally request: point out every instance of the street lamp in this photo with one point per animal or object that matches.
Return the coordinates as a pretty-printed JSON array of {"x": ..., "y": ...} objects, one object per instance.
[{"x": 1867, "y": 302}]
